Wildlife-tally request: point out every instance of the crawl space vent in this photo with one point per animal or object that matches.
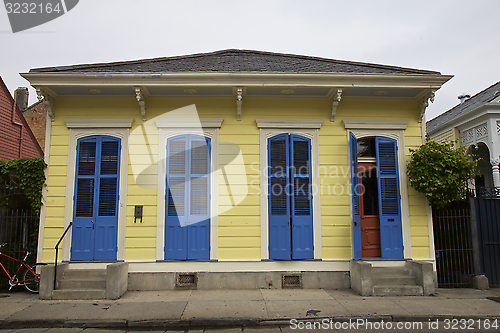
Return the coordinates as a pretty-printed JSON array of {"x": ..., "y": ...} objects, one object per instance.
[
  {"x": 186, "y": 280},
  {"x": 292, "y": 281}
]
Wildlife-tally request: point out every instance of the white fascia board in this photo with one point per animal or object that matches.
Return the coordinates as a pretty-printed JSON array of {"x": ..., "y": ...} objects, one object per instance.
[{"x": 422, "y": 81}]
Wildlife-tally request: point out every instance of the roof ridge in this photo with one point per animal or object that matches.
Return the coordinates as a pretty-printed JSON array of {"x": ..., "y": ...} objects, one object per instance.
[{"x": 226, "y": 51}]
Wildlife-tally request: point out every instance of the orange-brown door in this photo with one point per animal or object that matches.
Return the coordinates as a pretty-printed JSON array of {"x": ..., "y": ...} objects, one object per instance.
[{"x": 370, "y": 222}]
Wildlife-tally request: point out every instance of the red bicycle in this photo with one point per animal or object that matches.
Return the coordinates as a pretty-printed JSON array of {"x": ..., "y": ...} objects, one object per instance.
[{"x": 30, "y": 279}]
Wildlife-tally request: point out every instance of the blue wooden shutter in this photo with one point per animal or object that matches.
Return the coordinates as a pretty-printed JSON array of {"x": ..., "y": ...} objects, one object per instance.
[
  {"x": 95, "y": 221},
  {"x": 82, "y": 240},
  {"x": 391, "y": 235},
  {"x": 176, "y": 198},
  {"x": 301, "y": 201},
  {"x": 356, "y": 212},
  {"x": 199, "y": 198},
  {"x": 279, "y": 204},
  {"x": 106, "y": 222}
]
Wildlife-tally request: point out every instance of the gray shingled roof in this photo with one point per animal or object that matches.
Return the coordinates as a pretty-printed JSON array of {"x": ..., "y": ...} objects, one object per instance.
[
  {"x": 472, "y": 103},
  {"x": 235, "y": 61}
]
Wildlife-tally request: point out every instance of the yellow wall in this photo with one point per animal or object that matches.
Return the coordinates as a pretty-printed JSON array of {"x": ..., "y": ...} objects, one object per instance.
[{"x": 239, "y": 227}]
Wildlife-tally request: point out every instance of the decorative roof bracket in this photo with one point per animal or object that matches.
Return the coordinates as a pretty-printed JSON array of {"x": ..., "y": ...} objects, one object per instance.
[
  {"x": 141, "y": 98},
  {"x": 239, "y": 101},
  {"x": 334, "y": 102},
  {"x": 423, "y": 103},
  {"x": 48, "y": 101}
]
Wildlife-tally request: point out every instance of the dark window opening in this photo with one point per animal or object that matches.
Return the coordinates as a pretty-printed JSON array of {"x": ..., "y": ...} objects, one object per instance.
[{"x": 366, "y": 147}]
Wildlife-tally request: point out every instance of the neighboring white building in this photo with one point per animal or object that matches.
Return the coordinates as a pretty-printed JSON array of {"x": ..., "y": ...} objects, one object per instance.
[{"x": 475, "y": 122}]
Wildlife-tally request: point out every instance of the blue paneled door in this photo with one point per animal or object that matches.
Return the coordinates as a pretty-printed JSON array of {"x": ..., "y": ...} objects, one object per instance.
[
  {"x": 95, "y": 213},
  {"x": 187, "y": 212},
  {"x": 391, "y": 231},
  {"x": 290, "y": 197},
  {"x": 389, "y": 199}
]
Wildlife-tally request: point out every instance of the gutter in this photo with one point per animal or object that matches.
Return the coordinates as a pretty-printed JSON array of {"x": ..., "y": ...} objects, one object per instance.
[
  {"x": 421, "y": 81},
  {"x": 20, "y": 124}
]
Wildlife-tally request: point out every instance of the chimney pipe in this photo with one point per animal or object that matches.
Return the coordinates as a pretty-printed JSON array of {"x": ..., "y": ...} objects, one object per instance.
[
  {"x": 21, "y": 98},
  {"x": 463, "y": 97}
]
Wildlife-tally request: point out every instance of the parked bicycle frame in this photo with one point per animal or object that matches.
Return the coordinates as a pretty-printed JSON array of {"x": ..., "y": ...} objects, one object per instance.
[{"x": 30, "y": 279}]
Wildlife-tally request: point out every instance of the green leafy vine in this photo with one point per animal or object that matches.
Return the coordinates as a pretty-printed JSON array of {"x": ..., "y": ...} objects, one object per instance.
[{"x": 26, "y": 174}]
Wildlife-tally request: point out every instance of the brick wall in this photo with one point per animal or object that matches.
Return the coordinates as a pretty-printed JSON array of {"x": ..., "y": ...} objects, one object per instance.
[{"x": 36, "y": 117}]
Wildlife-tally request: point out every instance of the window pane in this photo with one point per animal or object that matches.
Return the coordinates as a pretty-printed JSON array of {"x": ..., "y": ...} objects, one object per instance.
[
  {"x": 85, "y": 197},
  {"x": 177, "y": 156},
  {"x": 301, "y": 157},
  {"x": 279, "y": 197},
  {"x": 109, "y": 157},
  {"x": 176, "y": 196},
  {"x": 86, "y": 158},
  {"x": 302, "y": 198},
  {"x": 107, "y": 197},
  {"x": 199, "y": 157},
  {"x": 278, "y": 156},
  {"x": 199, "y": 196},
  {"x": 366, "y": 147}
]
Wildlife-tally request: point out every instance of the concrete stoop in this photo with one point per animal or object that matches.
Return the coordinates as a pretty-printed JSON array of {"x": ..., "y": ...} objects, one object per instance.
[
  {"x": 81, "y": 284},
  {"x": 410, "y": 278},
  {"x": 77, "y": 283},
  {"x": 394, "y": 281}
]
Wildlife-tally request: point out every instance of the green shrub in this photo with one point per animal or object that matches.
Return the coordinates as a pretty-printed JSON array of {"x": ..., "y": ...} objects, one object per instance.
[{"x": 440, "y": 172}]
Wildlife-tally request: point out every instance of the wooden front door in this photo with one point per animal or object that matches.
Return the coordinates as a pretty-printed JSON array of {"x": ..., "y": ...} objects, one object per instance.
[{"x": 370, "y": 221}]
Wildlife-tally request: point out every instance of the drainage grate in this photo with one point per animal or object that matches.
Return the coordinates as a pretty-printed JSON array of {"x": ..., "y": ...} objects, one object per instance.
[
  {"x": 292, "y": 281},
  {"x": 186, "y": 280}
]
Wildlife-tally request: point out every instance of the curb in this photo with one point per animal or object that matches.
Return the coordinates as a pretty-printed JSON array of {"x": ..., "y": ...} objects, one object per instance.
[{"x": 210, "y": 322}]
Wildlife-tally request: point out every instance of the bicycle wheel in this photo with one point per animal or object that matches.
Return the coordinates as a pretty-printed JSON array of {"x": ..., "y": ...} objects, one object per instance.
[{"x": 32, "y": 283}]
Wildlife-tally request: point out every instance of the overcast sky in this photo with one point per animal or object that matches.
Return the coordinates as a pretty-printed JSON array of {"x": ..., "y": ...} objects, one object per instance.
[{"x": 453, "y": 37}]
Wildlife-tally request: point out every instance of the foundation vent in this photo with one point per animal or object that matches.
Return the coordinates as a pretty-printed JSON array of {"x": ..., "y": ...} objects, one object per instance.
[
  {"x": 292, "y": 281},
  {"x": 186, "y": 280}
]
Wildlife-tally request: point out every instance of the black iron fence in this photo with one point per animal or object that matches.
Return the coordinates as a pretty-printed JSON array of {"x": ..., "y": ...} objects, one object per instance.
[
  {"x": 487, "y": 208},
  {"x": 18, "y": 231},
  {"x": 453, "y": 244},
  {"x": 467, "y": 239}
]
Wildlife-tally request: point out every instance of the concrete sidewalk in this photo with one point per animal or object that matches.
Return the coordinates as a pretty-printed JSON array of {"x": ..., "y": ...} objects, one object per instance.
[{"x": 219, "y": 308}]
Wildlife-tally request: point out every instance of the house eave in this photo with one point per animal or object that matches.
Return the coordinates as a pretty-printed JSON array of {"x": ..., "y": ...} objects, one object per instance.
[
  {"x": 421, "y": 81},
  {"x": 484, "y": 109}
]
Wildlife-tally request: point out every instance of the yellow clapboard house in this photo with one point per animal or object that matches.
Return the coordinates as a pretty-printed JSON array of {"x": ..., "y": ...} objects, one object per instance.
[{"x": 237, "y": 169}]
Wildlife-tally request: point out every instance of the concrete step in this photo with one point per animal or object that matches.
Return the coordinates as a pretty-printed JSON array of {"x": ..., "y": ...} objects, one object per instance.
[
  {"x": 78, "y": 294},
  {"x": 390, "y": 271},
  {"x": 90, "y": 283},
  {"x": 398, "y": 290},
  {"x": 84, "y": 273},
  {"x": 394, "y": 280}
]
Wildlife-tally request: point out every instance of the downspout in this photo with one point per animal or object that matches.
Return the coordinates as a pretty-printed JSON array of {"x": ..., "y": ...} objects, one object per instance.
[{"x": 17, "y": 123}]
